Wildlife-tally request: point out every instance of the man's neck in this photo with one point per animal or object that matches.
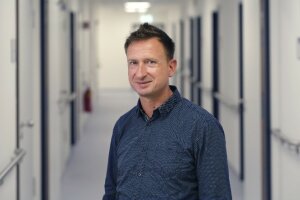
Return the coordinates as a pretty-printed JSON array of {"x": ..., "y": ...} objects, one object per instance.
[{"x": 150, "y": 104}]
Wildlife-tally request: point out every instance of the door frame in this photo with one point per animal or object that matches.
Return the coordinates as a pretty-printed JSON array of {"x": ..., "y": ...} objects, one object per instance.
[
  {"x": 215, "y": 62},
  {"x": 266, "y": 100},
  {"x": 199, "y": 58},
  {"x": 241, "y": 88},
  {"x": 44, "y": 100},
  {"x": 73, "y": 79},
  {"x": 191, "y": 61},
  {"x": 182, "y": 74},
  {"x": 17, "y": 93}
]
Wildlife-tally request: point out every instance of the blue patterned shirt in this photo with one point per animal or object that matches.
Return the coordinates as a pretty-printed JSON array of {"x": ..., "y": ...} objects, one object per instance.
[{"x": 179, "y": 153}]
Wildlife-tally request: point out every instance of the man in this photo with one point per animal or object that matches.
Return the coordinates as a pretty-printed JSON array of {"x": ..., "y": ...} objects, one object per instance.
[{"x": 165, "y": 147}]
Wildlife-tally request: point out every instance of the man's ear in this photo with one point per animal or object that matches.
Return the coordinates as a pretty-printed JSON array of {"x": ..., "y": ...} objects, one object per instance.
[{"x": 172, "y": 67}]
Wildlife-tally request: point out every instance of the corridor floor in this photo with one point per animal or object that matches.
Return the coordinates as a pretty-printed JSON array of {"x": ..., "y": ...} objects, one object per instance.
[{"x": 84, "y": 175}]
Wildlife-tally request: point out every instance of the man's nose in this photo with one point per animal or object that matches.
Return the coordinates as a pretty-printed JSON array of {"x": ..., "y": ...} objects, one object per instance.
[{"x": 141, "y": 70}]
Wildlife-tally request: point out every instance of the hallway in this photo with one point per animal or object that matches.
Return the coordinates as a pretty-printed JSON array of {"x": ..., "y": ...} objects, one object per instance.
[
  {"x": 85, "y": 172},
  {"x": 237, "y": 59}
]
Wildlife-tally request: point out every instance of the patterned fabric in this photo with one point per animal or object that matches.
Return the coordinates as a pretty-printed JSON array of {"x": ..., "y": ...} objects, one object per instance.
[{"x": 179, "y": 153}]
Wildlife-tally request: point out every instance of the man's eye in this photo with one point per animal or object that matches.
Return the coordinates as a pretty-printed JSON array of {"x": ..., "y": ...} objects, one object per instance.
[
  {"x": 132, "y": 62},
  {"x": 151, "y": 62}
]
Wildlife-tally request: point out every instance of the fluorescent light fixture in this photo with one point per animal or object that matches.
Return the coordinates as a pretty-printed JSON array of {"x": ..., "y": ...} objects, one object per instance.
[
  {"x": 146, "y": 18},
  {"x": 136, "y": 7}
]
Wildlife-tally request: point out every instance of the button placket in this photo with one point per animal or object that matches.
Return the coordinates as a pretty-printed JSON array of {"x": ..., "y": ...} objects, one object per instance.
[{"x": 144, "y": 147}]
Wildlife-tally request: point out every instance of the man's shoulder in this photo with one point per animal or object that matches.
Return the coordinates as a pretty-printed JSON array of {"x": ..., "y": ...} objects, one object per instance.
[
  {"x": 194, "y": 109},
  {"x": 198, "y": 114},
  {"x": 127, "y": 116}
]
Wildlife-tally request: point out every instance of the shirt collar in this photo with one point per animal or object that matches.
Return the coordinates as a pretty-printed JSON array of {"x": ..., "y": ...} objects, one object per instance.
[{"x": 166, "y": 107}]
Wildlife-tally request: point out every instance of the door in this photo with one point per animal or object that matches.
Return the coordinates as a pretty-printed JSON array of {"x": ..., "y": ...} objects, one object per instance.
[
  {"x": 182, "y": 55},
  {"x": 73, "y": 80},
  {"x": 25, "y": 97},
  {"x": 192, "y": 60},
  {"x": 241, "y": 90},
  {"x": 65, "y": 93},
  {"x": 215, "y": 62},
  {"x": 8, "y": 122},
  {"x": 199, "y": 58}
]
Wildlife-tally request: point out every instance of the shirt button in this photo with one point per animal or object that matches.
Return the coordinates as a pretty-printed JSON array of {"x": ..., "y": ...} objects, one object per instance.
[{"x": 139, "y": 174}]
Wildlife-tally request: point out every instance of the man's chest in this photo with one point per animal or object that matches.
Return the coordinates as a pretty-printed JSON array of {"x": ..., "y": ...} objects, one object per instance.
[{"x": 153, "y": 152}]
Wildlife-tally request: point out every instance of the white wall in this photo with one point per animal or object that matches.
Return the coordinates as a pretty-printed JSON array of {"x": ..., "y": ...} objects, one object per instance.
[
  {"x": 8, "y": 131},
  {"x": 87, "y": 62},
  {"x": 55, "y": 57},
  {"x": 26, "y": 97},
  {"x": 174, "y": 32},
  {"x": 36, "y": 100},
  {"x": 229, "y": 79},
  {"x": 285, "y": 62},
  {"x": 252, "y": 74},
  {"x": 207, "y": 9},
  {"x": 64, "y": 88},
  {"x": 187, "y": 12},
  {"x": 115, "y": 26}
]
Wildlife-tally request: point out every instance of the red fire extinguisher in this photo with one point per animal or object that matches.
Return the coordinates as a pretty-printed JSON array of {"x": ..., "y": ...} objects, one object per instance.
[{"x": 87, "y": 100}]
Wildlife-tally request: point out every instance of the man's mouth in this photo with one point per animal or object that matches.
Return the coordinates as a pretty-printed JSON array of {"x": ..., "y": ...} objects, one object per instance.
[{"x": 143, "y": 82}]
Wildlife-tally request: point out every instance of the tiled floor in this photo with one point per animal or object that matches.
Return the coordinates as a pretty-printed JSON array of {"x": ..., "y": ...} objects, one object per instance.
[{"x": 84, "y": 176}]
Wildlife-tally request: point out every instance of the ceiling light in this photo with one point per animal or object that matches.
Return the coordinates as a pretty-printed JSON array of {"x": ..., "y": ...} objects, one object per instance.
[
  {"x": 136, "y": 7},
  {"x": 146, "y": 18}
]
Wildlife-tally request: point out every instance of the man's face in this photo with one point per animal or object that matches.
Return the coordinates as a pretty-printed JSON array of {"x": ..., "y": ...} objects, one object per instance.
[{"x": 148, "y": 68}]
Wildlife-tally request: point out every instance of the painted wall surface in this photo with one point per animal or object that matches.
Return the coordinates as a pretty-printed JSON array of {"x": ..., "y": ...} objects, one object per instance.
[
  {"x": 55, "y": 147},
  {"x": 64, "y": 90},
  {"x": 36, "y": 100},
  {"x": 252, "y": 74},
  {"x": 115, "y": 26},
  {"x": 208, "y": 8},
  {"x": 285, "y": 59},
  {"x": 275, "y": 96},
  {"x": 174, "y": 33},
  {"x": 59, "y": 55},
  {"x": 187, "y": 14},
  {"x": 87, "y": 60},
  {"x": 229, "y": 80},
  {"x": 8, "y": 123},
  {"x": 25, "y": 98}
]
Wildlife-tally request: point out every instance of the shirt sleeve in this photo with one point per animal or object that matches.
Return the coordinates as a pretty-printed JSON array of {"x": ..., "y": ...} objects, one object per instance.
[
  {"x": 211, "y": 162},
  {"x": 111, "y": 174}
]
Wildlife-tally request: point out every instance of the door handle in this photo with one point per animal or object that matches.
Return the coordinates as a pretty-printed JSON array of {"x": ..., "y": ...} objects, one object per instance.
[
  {"x": 28, "y": 124},
  {"x": 72, "y": 97}
]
